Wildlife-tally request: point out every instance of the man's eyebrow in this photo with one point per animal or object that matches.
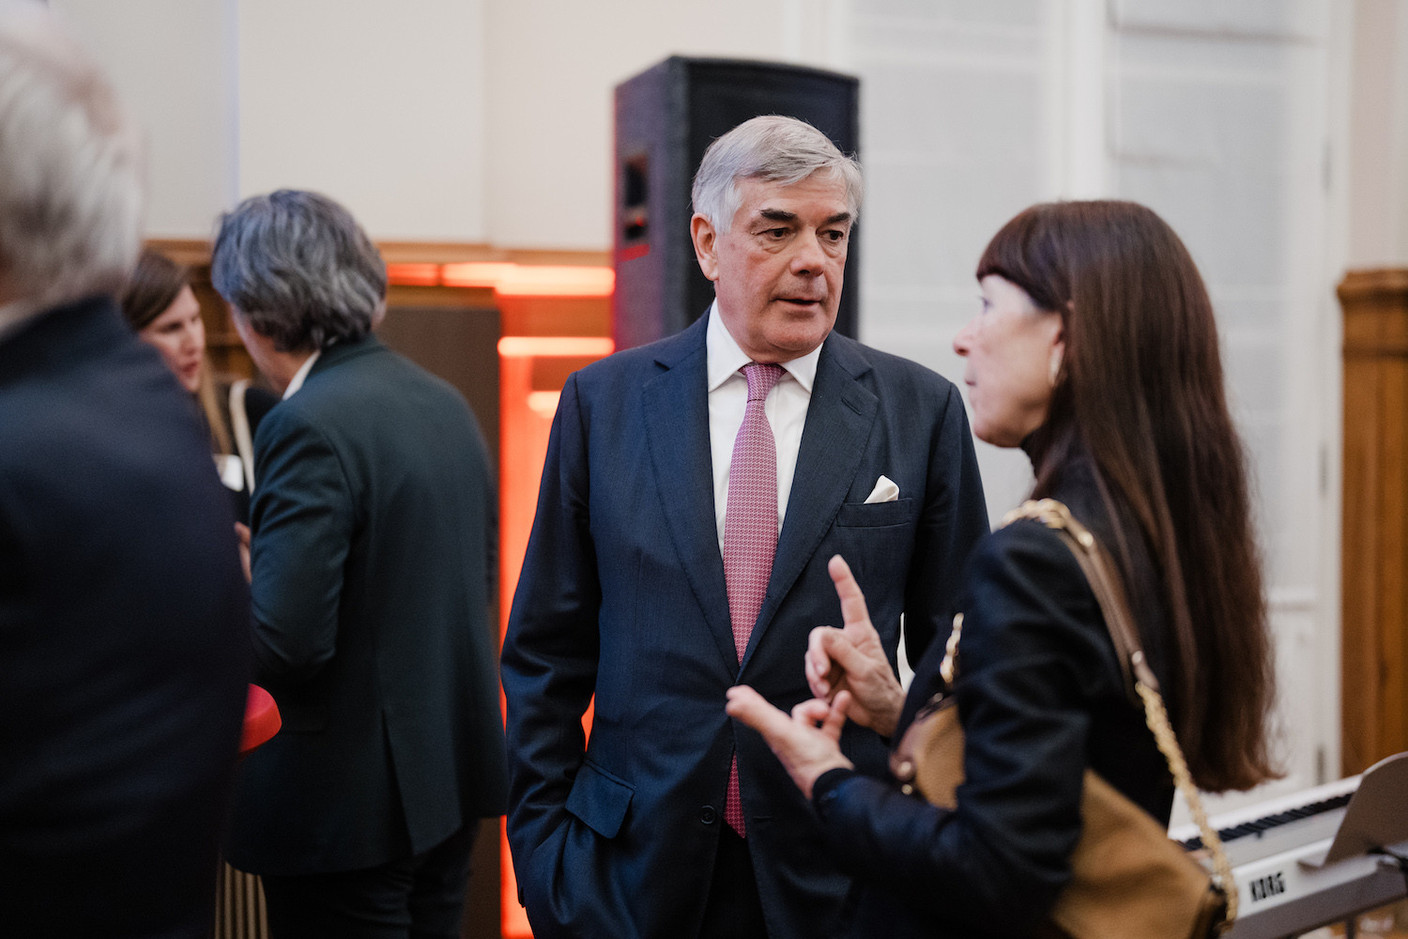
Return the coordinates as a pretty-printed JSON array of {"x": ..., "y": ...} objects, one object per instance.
[
  {"x": 777, "y": 215},
  {"x": 782, "y": 215}
]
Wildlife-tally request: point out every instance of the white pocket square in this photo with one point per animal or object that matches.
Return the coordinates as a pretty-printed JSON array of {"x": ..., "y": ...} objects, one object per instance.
[{"x": 885, "y": 491}]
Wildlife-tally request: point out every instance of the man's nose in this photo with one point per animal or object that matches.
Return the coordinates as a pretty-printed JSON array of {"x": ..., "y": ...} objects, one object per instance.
[{"x": 810, "y": 257}]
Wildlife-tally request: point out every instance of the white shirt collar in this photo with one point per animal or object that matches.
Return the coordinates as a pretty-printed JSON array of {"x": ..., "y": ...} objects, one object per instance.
[
  {"x": 725, "y": 358},
  {"x": 301, "y": 375}
]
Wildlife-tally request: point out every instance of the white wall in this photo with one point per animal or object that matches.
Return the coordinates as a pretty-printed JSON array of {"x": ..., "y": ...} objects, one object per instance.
[
  {"x": 552, "y": 66},
  {"x": 433, "y": 120},
  {"x": 380, "y": 105},
  {"x": 174, "y": 66}
]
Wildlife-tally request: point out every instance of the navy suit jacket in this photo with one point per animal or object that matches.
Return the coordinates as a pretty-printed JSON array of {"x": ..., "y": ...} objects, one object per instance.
[
  {"x": 124, "y": 650},
  {"x": 373, "y": 526},
  {"x": 622, "y": 597}
]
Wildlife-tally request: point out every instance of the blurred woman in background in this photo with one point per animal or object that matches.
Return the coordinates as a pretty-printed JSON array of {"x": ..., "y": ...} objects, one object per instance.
[{"x": 162, "y": 309}]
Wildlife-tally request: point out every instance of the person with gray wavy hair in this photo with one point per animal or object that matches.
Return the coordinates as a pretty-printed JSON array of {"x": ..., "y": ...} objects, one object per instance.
[
  {"x": 124, "y": 621},
  {"x": 372, "y": 556},
  {"x": 300, "y": 269}
]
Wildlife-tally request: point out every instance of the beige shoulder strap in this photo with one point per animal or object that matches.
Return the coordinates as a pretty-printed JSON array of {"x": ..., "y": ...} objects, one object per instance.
[{"x": 239, "y": 423}]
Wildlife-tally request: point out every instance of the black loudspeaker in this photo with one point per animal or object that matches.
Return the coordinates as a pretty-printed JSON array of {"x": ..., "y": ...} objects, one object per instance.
[{"x": 665, "y": 118}]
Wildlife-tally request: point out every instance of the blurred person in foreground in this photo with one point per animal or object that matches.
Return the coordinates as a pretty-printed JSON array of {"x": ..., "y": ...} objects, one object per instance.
[
  {"x": 373, "y": 560},
  {"x": 1096, "y": 352},
  {"x": 693, "y": 491},
  {"x": 124, "y": 643},
  {"x": 161, "y": 307}
]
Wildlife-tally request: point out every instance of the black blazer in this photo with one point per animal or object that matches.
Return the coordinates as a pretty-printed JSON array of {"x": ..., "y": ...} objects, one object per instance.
[
  {"x": 373, "y": 558},
  {"x": 124, "y": 646},
  {"x": 1040, "y": 695},
  {"x": 622, "y": 596}
]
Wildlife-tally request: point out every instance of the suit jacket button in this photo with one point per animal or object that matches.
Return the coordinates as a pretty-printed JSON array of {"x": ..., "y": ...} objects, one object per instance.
[{"x": 708, "y": 815}]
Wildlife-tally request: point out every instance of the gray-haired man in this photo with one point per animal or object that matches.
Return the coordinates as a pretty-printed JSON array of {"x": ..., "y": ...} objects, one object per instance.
[
  {"x": 372, "y": 559},
  {"x": 645, "y": 583}
]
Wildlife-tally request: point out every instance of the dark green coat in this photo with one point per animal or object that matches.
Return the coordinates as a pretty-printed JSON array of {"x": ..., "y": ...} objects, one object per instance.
[{"x": 373, "y": 554}]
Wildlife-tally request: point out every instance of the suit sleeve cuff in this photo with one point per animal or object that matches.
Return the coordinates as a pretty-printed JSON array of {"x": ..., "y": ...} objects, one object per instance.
[{"x": 825, "y": 789}]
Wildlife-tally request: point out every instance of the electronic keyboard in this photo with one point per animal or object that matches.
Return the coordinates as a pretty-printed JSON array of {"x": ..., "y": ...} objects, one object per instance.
[{"x": 1318, "y": 856}]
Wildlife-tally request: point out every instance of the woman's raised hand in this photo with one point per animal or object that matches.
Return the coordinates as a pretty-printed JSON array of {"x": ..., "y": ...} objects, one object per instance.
[{"x": 807, "y": 742}]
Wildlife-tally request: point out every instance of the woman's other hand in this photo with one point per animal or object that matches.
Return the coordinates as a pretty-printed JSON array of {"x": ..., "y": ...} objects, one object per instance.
[
  {"x": 853, "y": 658},
  {"x": 807, "y": 744}
]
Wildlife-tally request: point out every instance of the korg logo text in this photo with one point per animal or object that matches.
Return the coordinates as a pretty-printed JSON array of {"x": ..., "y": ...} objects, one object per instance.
[{"x": 1268, "y": 886}]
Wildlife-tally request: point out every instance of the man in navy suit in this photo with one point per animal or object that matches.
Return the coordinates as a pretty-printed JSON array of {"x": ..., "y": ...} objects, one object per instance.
[
  {"x": 673, "y": 820},
  {"x": 373, "y": 556},
  {"x": 124, "y": 619}
]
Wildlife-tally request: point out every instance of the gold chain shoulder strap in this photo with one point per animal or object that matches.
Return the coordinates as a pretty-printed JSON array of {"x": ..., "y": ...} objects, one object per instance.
[{"x": 1109, "y": 594}]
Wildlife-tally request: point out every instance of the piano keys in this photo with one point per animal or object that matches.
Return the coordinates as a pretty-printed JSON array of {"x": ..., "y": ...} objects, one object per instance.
[{"x": 1312, "y": 858}]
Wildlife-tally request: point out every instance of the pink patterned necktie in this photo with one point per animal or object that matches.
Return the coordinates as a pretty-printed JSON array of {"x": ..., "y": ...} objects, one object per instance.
[{"x": 750, "y": 531}]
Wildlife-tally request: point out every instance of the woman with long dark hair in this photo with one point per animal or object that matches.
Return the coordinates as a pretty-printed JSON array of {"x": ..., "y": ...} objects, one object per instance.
[{"x": 1096, "y": 352}]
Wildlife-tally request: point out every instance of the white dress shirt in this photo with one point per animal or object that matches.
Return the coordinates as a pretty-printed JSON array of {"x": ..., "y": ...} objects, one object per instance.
[
  {"x": 786, "y": 408},
  {"x": 301, "y": 375}
]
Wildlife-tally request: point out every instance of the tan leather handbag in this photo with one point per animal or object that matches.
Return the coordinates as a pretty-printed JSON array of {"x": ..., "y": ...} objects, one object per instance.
[{"x": 1128, "y": 879}]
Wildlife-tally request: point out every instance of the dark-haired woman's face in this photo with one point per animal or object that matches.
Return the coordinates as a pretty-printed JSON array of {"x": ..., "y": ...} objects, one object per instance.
[
  {"x": 179, "y": 335},
  {"x": 1010, "y": 347}
]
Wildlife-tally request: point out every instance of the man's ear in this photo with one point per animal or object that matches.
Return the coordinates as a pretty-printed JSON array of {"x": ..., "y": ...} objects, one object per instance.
[{"x": 701, "y": 232}]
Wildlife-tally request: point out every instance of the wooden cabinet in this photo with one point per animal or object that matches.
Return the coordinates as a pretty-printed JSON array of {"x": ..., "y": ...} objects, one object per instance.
[{"x": 1374, "y": 541}]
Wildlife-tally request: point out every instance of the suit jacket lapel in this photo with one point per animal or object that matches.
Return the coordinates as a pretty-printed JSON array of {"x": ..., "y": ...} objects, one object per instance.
[
  {"x": 676, "y": 408},
  {"x": 839, "y": 419}
]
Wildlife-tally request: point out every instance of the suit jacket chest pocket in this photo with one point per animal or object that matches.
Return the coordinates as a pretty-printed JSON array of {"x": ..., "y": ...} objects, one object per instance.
[
  {"x": 875, "y": 537},
  {"x": 896, "y": 514}
]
